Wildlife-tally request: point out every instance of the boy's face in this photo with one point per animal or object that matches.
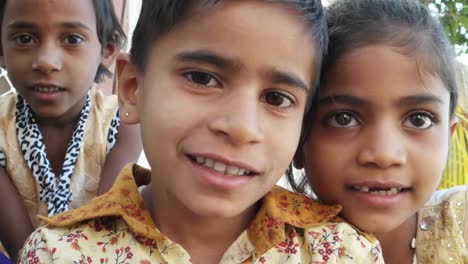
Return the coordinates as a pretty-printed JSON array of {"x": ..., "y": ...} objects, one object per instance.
[
  {"x": 379, "y": 139},
  {"x": 52, "y": 52},
  {"x": 221, "y": 104}
]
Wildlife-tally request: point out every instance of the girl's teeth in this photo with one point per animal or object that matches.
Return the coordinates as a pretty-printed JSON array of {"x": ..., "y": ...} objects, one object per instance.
[
  {"x": 391, "y": 191},
  {"x": 221, "y": 167},
  {"x": 47, "y": 89}
]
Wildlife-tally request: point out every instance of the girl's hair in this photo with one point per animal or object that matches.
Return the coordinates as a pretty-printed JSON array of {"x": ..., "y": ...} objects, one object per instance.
[
  {"x": 406, "y": 25},
  {"x": 108, "y": 29}
]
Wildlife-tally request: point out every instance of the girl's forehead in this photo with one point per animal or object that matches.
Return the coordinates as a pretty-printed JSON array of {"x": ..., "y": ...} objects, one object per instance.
[
  {"x": 379, "y": 70},
  {"x": 43, "y": 12}
]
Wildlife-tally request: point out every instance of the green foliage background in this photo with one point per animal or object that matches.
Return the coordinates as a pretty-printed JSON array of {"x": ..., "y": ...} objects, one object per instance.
[{"x": 453, "y": 15}]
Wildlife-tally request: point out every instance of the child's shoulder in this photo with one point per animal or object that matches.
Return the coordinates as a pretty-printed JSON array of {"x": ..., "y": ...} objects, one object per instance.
[
  {"x": 458, "y": 193},
  {"x": 442, "y": 223},
  {"x": 101, "y": 102},
  {"x": 284, "y": 216},
  {"x": 7, "y": 105}
]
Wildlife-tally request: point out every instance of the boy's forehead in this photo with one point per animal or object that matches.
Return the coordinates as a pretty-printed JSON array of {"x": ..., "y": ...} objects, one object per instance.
[{"x": 215, "y": 36}]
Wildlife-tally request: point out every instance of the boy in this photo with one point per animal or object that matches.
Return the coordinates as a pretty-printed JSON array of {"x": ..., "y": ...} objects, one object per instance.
[{"x": 220, "y": 100}]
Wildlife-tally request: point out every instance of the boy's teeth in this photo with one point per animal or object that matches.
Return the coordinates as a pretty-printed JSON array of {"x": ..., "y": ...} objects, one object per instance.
[
  {"x": 231, "y": 170},
  {"x": 221, "y": 167},
  {"x": 200, "y": 160},
  {"x": 388, "y": 191}
]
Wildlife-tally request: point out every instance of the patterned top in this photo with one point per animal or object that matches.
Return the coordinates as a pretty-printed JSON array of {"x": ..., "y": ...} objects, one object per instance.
[
  {"x": 38, "y": 186},
  {"x": 117, "y": 228},
  {"x": 442, "y": 232}
]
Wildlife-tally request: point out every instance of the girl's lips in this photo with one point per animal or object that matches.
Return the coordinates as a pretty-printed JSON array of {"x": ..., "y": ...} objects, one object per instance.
[{"x": 380, "y": 198}]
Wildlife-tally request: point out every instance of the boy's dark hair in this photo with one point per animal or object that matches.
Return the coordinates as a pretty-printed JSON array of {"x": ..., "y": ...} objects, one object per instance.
[
  {"x": 406, "y": 25},
  {"x": 108, "y": 29},
  {"x": 160, "y": 16}
]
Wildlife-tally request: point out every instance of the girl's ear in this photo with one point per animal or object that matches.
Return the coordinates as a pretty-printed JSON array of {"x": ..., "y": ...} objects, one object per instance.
[
  {"x": 128, "y": 90},
  {"x": 108, "y": 55},
  {"x": 453, "y": 124}
]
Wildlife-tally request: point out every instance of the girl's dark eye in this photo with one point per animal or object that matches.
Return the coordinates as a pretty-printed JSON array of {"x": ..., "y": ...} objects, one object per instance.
[
  {"x": 278, "y": 100},
  {"x": 342, "y": 119},
  {"x": 24, "y": 39},
  {"x": 419, "y": 120},
  {"x": 73, "y": 39},
  {"x": 202, "y": 78}
]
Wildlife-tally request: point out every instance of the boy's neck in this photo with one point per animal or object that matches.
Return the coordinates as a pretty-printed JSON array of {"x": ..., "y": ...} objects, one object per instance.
[
  {"x": 396, "y": 244},
  {"x": 206, "y": 239}
]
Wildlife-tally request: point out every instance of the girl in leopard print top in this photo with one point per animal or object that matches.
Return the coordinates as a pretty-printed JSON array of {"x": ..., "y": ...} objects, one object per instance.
[{"x": 58, "y": 136}]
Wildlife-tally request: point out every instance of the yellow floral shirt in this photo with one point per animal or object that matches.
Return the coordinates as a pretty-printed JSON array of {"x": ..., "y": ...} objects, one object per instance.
[{"x": 117, "y": 228}]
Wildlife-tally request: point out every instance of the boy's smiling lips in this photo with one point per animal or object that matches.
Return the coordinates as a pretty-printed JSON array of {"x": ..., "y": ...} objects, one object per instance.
[
  {"x": 223, "y": 165},
  {"x": 220, "y": 172}
]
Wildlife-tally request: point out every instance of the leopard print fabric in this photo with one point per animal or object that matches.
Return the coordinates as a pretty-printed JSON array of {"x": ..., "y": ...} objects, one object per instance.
[
  {"x": 55, "y": 191},
  {"x": 34, "y": 151}
]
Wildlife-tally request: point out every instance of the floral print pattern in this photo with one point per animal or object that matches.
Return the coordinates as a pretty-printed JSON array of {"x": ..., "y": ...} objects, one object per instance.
[{"x": 116, "y": 228}]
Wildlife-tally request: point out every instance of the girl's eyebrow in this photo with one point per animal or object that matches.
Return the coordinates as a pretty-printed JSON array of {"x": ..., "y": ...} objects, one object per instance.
[
  {"x": 342, "y": 99},
  {"x": 420, "y": 99},
  {"x": 359, "y": 102},
  {"x": 33, "y": 26}
]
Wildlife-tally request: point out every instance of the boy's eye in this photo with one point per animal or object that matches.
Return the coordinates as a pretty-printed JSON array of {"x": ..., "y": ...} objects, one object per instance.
[
  {"x": 73, "y": 39},
  {"x": 342, "y": 120},
  {"x": 419, "y": 120},
  {"x": 24, "y": 39},
  {"x": 202, "y": 78},
  {"x": 278, "y": 100}
]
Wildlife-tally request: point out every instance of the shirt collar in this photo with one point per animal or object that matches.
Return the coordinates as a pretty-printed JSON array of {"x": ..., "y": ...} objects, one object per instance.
[{"x": 279, "y": 208}]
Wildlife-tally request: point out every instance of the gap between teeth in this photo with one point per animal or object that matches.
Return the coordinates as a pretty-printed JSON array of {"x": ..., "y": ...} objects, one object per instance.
[
  {"x": 391, "y": 191},
  {"x": 221, "y": 167}
]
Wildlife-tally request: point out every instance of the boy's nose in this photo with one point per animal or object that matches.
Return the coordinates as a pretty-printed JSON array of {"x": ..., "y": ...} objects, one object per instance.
[
  {"x": 47, "y": 59},
  {"x": 382, "y": 148},
  {"x": 239, "y": 121}
]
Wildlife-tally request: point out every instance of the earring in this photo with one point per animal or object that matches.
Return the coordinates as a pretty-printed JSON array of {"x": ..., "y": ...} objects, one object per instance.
[{"x": 126, "y": 114}]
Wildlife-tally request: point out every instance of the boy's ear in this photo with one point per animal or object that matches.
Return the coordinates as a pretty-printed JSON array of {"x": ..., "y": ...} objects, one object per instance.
[{"x": 128, "y": 90}]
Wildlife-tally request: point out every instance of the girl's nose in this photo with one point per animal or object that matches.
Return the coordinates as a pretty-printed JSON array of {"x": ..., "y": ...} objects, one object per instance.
[
  {"x": 383, "y": 148},
  {"x": 48, "y": 59}
]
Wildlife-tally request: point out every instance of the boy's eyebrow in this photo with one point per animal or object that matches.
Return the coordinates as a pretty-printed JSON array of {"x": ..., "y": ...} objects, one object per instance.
[
  {"x": 342, "y": 99},
  {"x": 209, "y": 57},
  {"x": 29, "y": 25},
  {"x": 288, "y": 78}
]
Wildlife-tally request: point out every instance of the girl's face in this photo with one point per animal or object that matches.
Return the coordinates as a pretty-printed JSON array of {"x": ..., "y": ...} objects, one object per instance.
[
  {"x": 379, "y": 138},
  {"x": 52, "y": 52}
]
